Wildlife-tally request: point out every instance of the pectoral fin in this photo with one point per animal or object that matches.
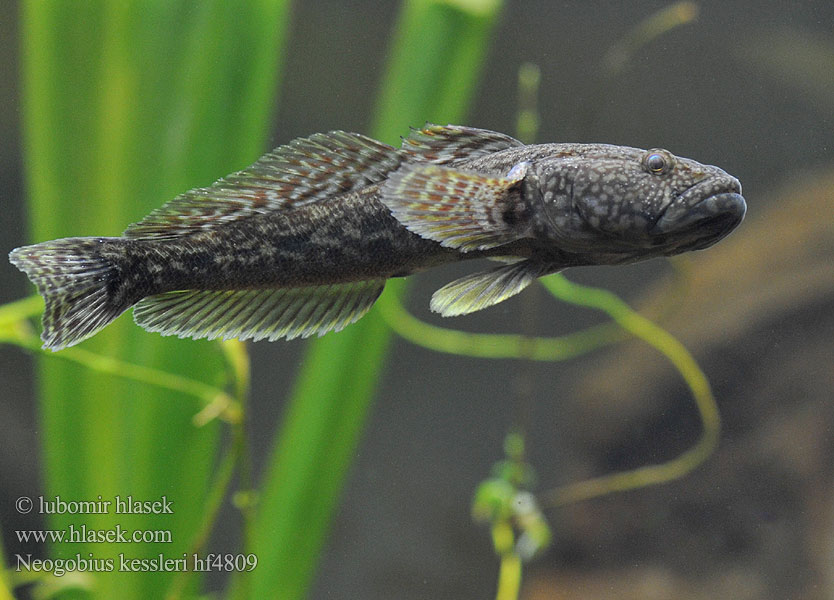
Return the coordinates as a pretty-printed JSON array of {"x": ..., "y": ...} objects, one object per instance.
[
  {"x": 462, "y": 210},
  {"x": 480, "y": 290}
]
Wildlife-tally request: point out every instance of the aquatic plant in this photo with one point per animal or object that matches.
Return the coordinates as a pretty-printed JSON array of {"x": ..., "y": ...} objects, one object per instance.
[
  {"x": 112, "y": 94},
  {"x": 134, "y": 414}
]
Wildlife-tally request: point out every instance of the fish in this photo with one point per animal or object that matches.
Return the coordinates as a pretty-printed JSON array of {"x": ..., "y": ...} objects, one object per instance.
[{"x": 303, "y": 241}]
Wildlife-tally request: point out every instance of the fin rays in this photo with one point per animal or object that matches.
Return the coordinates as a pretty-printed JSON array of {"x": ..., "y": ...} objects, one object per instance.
[
  {"x": 258, "y": 314},
  {"x": 72, "y": 277},
  {"x": 481, "y": 290},
  {"x": 455, "y": 208},
  {"x": 306, "y": 170},
  {"x": 446, "y": 143}
]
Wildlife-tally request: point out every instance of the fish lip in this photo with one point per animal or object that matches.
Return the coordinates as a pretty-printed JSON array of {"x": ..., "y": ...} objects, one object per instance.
[{"x": 725, "y": 205}]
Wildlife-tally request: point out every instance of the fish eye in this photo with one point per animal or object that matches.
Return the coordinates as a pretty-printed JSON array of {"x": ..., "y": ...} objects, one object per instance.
[{"x": 657, "y": 162}]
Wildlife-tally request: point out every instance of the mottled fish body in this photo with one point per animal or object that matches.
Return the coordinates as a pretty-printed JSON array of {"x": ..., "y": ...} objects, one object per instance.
[{"x": 303, "y": 241}]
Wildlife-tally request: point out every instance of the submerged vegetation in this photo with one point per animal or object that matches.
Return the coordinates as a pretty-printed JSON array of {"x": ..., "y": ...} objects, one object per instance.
[{"x": 136, "y": 414}]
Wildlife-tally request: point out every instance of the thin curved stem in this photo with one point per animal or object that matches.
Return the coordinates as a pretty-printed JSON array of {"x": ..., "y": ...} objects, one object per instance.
[
  {"x": 15, "y": 330},
  {"x": 683, "y": 361},
  {"x": 625, "y": 322},
  {"x": 490, "y": 345}
]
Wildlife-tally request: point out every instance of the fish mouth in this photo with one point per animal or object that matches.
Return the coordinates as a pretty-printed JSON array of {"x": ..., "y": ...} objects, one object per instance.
[{"x": 702, "y": 214}]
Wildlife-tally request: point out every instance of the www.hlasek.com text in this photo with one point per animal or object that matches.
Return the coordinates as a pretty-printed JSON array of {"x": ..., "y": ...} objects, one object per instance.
[{"x": 81, "y": 534}]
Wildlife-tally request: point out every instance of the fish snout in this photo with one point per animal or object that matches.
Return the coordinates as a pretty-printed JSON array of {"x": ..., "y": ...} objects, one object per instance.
[{"x": 714, "y": 207}]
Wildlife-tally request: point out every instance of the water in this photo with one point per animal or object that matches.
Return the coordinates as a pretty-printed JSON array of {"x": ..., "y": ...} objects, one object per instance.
[{"x": 750, "y": 87}]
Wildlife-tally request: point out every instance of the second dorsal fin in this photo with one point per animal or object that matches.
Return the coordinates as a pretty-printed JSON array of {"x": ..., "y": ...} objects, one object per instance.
[{"x": 304, "y": 171}]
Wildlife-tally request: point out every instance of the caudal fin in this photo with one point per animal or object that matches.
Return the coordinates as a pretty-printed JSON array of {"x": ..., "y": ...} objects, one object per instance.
[{"x": 72, "y": 276}]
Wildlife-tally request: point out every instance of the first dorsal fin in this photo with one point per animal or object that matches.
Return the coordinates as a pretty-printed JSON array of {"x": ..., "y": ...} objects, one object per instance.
[
  {"x": 304, "y": 171},
  {"x": 445, "y": 143}
]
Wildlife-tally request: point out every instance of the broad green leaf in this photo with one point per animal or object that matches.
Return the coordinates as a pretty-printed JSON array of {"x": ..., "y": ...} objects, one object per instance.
[{"x": 125, "y": 105}]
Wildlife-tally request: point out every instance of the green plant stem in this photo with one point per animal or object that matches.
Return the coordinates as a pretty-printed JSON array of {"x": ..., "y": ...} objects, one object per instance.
[
  {"x": 653, "y": 26},
  {"x": 236, "y": 459},
  {"x": 216, "y": 402},
  {"x": 496, "y": 346},
  {"x": 214, "y": 501},
  {"x": 237, "y": 357},
  {"x": 509, "y": 570},
  {"x": 527, "y": 120},
  {"x": 683, "y": 361},
  {"x": 509, "y": 577}
]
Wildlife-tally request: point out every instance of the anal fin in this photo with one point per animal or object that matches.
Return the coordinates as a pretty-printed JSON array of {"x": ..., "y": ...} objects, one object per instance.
[
  {"x": 258, "y": 313},
  {"x": 480, "y": 290}
]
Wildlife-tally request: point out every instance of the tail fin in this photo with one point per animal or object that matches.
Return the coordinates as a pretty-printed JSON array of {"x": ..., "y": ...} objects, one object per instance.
[{"x": 72, "y": 275}]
